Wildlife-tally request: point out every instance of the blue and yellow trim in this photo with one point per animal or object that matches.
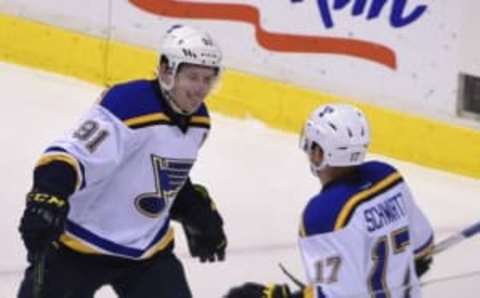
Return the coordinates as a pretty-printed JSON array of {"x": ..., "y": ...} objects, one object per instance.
[
  {"x": 147, "y": 120},
  {"x": 81, "y": 246},
  {"x": 160, "y": 245},
  {"x": 162, "y": 118},
  {"x": 81, "y": 240},
  {"x": 242, "y": 95},
  {"x": 363, "y": 196},
  {"x": 302, "y": 233},
  {"x": 78, "y": 245},
  {"x": 310, "y": 291},
  {"x": 424, "y": 249},
  {"x": 200, "y": 121}
]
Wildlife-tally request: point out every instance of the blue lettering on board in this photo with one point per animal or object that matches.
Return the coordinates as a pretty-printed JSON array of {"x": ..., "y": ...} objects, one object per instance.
[{"x": 398, "y": 15}]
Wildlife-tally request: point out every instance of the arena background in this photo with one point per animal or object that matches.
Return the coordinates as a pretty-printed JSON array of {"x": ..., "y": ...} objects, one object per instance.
[{"x": 401, "y": 64}]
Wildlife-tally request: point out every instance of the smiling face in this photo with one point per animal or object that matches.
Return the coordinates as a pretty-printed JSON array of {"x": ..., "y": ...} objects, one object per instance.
[{"x": 192, "y": 84}]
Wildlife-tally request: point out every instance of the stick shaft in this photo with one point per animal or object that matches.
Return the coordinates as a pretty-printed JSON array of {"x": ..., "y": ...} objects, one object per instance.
[
  {"x": 437, "y": 248},
  {"x": 456, "y": 238},
  {"x": 38, "y": 274}
]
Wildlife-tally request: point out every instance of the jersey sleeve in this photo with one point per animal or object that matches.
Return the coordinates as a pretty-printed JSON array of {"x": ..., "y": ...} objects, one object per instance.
[
  {"x": 422, "y": 235},
  {"x": 93, "y": 149}
]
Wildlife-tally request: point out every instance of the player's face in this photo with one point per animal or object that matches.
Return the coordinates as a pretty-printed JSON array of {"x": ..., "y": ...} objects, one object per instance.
[{"x": 192, "y": 85}]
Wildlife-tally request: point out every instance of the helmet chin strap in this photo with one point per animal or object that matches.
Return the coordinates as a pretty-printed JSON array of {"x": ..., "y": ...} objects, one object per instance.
[
  {"x": 174, "y": 105},
  {"x": 315, "y": 168},
  {"x": 169, "y": 97}
]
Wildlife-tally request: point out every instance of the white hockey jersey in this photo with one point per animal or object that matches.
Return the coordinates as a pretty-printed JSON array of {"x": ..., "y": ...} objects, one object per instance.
[
  {"x": 359, "y": 237},
  {"x": 131, "y": 159}
]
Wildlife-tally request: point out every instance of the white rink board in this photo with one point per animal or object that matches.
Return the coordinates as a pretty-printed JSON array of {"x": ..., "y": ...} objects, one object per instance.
[
  {"x": 259, "y": 178},
  {"x": 430, "y": 51}
]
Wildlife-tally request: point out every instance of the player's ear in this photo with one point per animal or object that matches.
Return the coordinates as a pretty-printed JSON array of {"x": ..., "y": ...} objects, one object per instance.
[
  {"x": 164, "y": 72},
  {"x": 316, "y": 153},
  {"x": 163, "y": 68}
]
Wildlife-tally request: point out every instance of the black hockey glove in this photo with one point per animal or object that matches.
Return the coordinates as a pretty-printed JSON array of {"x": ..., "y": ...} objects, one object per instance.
[
  {"x": 204, "y": 229},
  {"x": 422, "y": 265},
  {"x": 254, "y": 290},
  {"x": 43, "y": 220}
]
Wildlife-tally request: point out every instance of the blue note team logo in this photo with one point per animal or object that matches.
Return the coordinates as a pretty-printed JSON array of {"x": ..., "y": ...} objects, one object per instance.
[{"x": 170, "y": 175}]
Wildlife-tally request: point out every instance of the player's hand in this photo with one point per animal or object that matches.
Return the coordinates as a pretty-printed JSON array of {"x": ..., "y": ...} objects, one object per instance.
[
  {"x": 207, "y": 245},
  {"x": 43, "y": 220},
  {"x": 207, "y": 240},
  {"x": 254, "y": 290},
  {"x": 422, "y": 265}
]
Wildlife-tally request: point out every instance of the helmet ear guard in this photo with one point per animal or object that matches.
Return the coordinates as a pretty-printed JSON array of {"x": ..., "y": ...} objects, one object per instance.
[{"x": 342, "y": 133}]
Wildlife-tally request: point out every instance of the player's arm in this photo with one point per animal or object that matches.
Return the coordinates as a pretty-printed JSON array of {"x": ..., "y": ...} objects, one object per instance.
[
  {"x": 203, "y": 225},
  {"x": 55, "y": 178},
  {"x": 422, "y": 237},
  {"x": 423, "y": 258},
  {"x": 61, "y": 171}
]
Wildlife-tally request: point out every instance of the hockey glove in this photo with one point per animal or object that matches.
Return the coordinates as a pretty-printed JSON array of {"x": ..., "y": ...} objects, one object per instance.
[
  {"x": 254, "y": 290},
  {"x": 204, "y": 229},
  {"x": 422, "y": 265},
  {"x": 43, "y": 220}
]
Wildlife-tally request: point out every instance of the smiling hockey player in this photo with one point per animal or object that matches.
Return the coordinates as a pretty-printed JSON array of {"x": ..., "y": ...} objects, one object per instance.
[{"x": 103, "y": 194}]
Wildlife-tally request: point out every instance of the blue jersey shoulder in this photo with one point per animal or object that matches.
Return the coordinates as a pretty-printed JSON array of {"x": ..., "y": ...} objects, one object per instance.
[
  {"x": 202, "y": 111},
  {"x": 133, "y": 99},
  {"x": 322, "y": 210},
  {"x": 141, "y": 104},
  {"x": 322, "y": 213},
  {"x": 375, "y": 171}
]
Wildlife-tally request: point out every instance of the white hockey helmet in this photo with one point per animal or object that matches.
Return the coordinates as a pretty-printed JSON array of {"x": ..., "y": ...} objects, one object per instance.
[
  {"x": 341, "y": 131},
  {"x": 183, "y": 44}
]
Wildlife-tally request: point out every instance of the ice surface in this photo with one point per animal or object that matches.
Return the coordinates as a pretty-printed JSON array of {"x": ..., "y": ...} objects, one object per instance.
[{"x": 257, "y": 175}]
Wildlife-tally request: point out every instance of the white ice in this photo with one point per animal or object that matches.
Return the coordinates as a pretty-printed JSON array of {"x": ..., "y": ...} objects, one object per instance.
[{"x": 257, "y": 175}]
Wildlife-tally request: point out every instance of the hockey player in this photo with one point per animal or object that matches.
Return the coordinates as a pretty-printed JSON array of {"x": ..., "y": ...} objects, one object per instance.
[
  {"x": 362, "y": 235},
  {"x": 103, "y": 194}
]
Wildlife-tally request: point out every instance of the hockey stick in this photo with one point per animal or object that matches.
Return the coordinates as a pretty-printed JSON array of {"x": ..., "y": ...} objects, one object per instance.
[
  {"x": 456, "y": 238},
  {"x": 295, "y": 280},
  {"x": 443, "y": 245},
  {"x": 38, "y": 273}
]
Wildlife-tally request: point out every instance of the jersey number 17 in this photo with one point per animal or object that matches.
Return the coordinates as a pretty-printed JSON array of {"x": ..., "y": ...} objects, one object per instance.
[{"x": 327, "y": 270}]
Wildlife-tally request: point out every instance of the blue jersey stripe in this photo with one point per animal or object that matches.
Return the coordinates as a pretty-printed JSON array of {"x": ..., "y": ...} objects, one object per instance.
[
  {"x": 110, "y": 246},
  {"x": 425, "y": 248}
]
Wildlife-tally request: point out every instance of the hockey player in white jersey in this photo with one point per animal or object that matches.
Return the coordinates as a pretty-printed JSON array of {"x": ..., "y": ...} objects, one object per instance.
[
  {"x": 104, "y": 193},
  {"x": 362, "y": 235}
]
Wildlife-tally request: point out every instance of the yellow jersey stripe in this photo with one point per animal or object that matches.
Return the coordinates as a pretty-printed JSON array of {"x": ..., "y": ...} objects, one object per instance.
[
  {"x": 80, "y": 246},
  {"x": 77, "y": 245},
  {"x": 302, "y": 231},
  {"x": 364, "y": 195},
  {"x": 161, "y": 245},
  {"x": 146, "y": 119},
  {"x": 425, "y": 251},
  {"x": 308, "y": 292},
  {"x": 66, "y": 158},
  {"x": 200, "y": 120}
]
